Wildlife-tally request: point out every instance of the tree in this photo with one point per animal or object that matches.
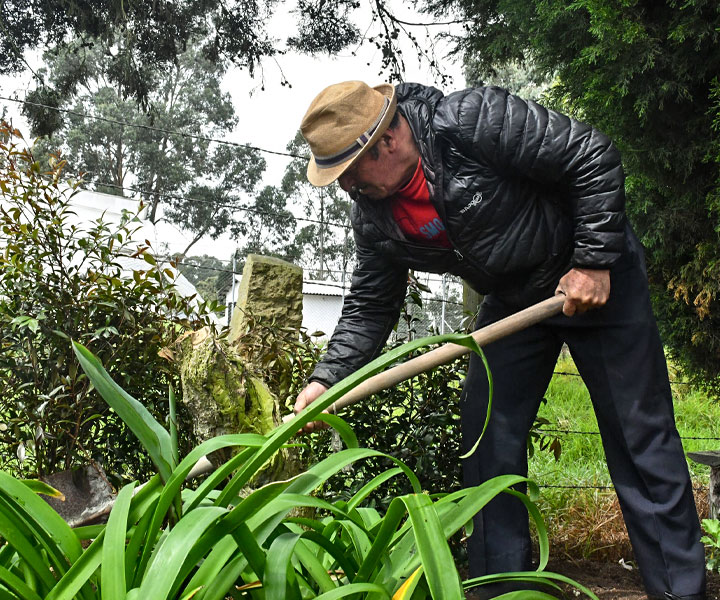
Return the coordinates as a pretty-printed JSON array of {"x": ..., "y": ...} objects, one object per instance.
[
  {"x": 127, "y": 146},
  {"x": 208, "y": 274},
  {"x": 234, "y": 32},
  {"x": 155, "y": 34},
  {"x": 324, "y": 243},
  {"x": 519, "y": 79},
  {"x": 645, "y": 72},
  {"x": 63, "y": 281}
]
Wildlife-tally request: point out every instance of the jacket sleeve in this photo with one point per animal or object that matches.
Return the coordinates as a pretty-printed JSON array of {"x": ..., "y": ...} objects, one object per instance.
[
  {"x": 370, "y": 311},
  {"x": 516, "y": 138}
]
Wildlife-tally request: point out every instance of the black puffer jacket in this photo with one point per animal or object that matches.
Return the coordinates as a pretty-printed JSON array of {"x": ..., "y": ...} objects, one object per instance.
[{"x": 525, "y": 194}]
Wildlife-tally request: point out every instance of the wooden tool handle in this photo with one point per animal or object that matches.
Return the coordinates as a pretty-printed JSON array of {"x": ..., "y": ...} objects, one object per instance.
[{"x": 448, "y": 352}]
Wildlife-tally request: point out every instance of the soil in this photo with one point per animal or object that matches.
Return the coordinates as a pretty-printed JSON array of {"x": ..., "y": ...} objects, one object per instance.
[{"x": 612, "y": 581}]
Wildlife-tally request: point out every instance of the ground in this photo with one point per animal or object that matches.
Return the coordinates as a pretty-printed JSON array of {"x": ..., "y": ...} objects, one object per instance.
[{"x": 611, "y": 581}]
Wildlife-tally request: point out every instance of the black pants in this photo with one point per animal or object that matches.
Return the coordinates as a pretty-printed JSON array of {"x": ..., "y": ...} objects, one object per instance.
[{"x": 618, "y": 352}]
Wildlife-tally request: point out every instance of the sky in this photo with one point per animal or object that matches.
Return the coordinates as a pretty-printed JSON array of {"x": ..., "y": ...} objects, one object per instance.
[{"x": 269, "y": 118}]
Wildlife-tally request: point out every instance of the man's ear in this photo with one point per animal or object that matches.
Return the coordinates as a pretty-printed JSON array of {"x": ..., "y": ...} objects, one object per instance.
[{"x": 390, "y": 140}]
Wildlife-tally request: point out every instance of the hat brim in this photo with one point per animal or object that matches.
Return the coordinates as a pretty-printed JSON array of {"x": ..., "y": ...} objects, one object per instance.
[{"x": 320, "y": 177}]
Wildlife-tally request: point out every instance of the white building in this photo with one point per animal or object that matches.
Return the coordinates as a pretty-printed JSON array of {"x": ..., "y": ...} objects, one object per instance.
[
  {"x": 322, "y": 305},
  {"x": 90, "y": 206}
]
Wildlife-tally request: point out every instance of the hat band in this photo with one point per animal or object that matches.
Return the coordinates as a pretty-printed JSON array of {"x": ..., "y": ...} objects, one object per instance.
[{"x": 327, "y": 162}]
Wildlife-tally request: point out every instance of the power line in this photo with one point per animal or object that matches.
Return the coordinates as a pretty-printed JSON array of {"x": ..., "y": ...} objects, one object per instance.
[
  {"x": 151, "y": 128},
  {"x": 219, "y": 205}
]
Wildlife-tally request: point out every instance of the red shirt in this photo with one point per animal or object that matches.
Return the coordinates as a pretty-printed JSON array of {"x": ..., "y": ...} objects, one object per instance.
[{"x": 416, "y": 216}]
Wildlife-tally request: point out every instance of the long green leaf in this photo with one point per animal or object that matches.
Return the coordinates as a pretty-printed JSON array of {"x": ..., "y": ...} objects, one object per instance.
[
  {"x": 371, "y": 486},
  {"x": 170, "y": 557},
  {"x": 40, "y": 487},
  {"x": 279, "y": 572},
  {"x": 472, "y": 450},
  {"x": 315, "y": 568},
  {"x": 354, "y": 588},
  {"x": 24, "y": 546},
  {"x": 228, "y": 524},
  {"x": 84, "y": 568},
  {"x": 172, "y": 426},
  {"x": 177, "y": 479},
  {"x": 334, "y": 551},
  {"x": 218, "y": 588},
  {"x": 340, "y": 425},
  {"x": 542, "y": 577},
  {"x": 17, "y": 585},
  {"x": 154, "y": 438},
  {"x": 437, "y": 560},
  {"x": 138, "y": 539},
  {"x": 284, "y": 432},
  {"x": 393, "y": 517},
  {"x": 25, "y": 509},
  {"x": 207, "y": 573},
  {"x": 112, "y": 574},
  {"x": 465, "y": 503}
]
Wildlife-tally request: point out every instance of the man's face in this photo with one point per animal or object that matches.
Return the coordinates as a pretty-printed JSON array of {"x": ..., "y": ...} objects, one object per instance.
[{"x": 375, "y": 177}]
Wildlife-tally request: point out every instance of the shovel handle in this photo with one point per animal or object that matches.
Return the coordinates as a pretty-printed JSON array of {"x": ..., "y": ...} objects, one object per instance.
[{"x": 448, "y": 352}]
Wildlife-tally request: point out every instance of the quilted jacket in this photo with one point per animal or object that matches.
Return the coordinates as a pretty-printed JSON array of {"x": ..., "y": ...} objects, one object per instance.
[{"x": 525, "y": 194}]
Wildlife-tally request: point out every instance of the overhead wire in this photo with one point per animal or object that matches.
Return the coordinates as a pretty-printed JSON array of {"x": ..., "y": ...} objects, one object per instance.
[
  {"x": 152, "y": 128},
  {"x": 221, "y": 205}
]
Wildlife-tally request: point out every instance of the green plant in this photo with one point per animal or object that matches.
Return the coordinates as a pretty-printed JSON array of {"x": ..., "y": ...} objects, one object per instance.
[
  {"x": 711, "y": 539},
  {"x": 61, "y": 280},
  {"x": 165, "y": 540}
]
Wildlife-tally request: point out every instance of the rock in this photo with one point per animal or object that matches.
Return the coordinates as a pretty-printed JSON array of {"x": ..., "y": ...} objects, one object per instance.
[
  {"x": 224, "y": 380},
  {"x": 270, "y": 291},
  {"x": 88, "y": 495}
]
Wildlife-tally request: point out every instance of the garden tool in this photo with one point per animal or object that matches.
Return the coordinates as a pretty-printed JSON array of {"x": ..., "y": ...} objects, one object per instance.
[
  {"x": 516, "y": 322},
  {"x": 449, "y": 352},
  {"x": 444, "y": 354}
]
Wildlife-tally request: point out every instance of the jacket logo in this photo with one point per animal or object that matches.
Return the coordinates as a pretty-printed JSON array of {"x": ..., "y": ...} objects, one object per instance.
[{"x": 476, "y": 199}]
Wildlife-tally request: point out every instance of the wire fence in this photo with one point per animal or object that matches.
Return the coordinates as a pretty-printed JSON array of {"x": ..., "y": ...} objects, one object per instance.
[{"x": 441, "y": 304}]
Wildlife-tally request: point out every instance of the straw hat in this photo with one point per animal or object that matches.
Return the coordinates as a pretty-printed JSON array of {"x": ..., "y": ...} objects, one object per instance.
[{"x": 342, "y": 122}]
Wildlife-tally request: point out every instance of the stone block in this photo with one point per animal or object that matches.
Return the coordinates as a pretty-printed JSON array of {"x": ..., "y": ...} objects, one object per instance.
[{"x": 270, "y": 290}]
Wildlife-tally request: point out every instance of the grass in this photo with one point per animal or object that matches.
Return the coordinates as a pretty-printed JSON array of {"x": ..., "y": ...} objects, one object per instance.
[{"x": 585, "y": 521}]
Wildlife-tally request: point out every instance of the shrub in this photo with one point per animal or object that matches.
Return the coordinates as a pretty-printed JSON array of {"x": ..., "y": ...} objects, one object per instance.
[{"x": 60, "y": 280}]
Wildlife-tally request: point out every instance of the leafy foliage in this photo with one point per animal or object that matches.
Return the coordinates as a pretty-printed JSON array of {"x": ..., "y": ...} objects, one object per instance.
[
  {"x": 711, "y": 539},
  {"x": 60, "y": 280},
  {"x": 166, "y": 542},
  {"x": 644, "y": 72},
  {"x": 155, "y": 34},
  {"x": 208, "y": 274}
]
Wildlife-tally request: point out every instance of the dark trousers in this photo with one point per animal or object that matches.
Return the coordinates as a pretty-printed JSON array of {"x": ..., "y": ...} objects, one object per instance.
[{"x": 618, "y": 352}]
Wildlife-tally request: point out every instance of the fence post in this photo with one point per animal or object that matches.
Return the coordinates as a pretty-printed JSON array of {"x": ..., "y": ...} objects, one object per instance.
[{"x": 712, "y": 459}]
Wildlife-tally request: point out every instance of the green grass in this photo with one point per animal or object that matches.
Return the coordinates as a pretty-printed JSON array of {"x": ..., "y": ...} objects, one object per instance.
[{"x": 582, "y": 461}]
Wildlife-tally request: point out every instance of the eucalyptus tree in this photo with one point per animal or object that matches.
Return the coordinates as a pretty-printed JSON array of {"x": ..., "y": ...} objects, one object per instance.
[
  {"x": 324, "y": 239},
  {"x": 161, "y": 150}
]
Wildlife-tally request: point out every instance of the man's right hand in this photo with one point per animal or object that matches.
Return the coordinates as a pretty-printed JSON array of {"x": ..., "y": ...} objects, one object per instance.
[{"x": 311, "y": 393}]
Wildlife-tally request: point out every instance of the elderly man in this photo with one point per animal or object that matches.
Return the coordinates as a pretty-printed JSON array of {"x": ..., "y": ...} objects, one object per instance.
[{"x": 521, "y": 202}]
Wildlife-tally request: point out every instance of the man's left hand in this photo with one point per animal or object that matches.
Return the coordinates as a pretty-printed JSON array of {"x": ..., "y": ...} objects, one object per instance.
[{"x": 584, "y": 289}]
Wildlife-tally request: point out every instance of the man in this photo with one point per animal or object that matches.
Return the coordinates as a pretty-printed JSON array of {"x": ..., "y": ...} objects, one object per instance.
[{"x": 521, "y": 202}]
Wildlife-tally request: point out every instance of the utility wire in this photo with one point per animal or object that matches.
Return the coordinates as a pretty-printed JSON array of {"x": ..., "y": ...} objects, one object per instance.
[
  {"x": 219, "y": 205},
  {"x": 151, "y": 128}
]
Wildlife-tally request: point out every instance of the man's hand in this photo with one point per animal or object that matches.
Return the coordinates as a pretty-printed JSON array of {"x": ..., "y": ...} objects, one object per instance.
[
  {"x": 311, "y": 393},
  {"x": 584, "y": 289}
]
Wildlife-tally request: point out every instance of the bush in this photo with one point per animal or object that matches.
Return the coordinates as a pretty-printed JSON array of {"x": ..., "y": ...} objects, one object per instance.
[
  {"x": 164, "y": 542},
  {"x": 61, "y": 281}
]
